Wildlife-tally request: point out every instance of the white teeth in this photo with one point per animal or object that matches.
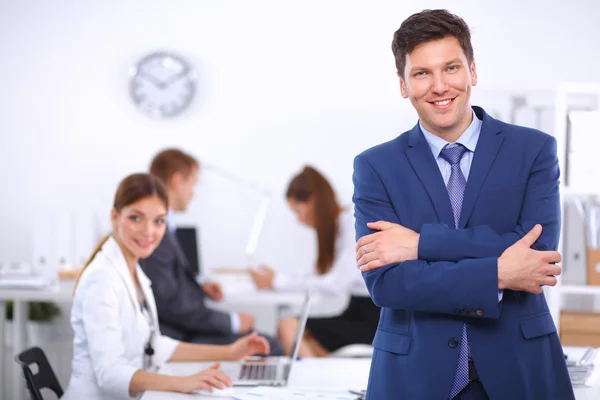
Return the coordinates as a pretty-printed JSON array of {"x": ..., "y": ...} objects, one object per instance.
[{"x": 441, "y": 103}]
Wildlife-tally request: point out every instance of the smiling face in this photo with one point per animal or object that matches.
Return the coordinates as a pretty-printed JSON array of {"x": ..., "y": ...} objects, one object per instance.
[
  {"x": 139, "y": 227},
  {"x": 437, "y": 79}
]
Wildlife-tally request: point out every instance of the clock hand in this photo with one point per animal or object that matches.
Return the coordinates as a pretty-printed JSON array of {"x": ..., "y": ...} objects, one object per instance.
[
  {"x": 174, "y": 78},
  {"x": 152, "y": 79}
]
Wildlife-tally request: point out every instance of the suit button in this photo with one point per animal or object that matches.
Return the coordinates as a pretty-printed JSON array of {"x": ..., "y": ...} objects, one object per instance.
[
  {"x": 453, "y": 343},
  {"x": 479, "y": 313}
]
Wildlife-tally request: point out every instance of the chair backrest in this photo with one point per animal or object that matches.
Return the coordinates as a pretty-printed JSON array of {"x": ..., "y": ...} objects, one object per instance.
[{"x": 45, "y": 377}]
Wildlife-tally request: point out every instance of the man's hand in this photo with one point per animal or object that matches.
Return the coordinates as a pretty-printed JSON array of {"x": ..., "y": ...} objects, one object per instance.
[
  {"x": 213, "y": 290},
  {"x": 392, "y": 244},
  {"x": 249, "y": 345},
  {"x": 246, "y": 322},
  {"x": 524, "y": 269},
  {"x": 263, "y": 277}
]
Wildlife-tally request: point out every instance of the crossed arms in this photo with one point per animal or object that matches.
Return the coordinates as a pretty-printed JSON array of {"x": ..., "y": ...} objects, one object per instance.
[{"x": 442, "y": 269}]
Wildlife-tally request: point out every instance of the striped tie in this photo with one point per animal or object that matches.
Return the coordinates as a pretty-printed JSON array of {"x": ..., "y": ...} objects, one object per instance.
[{"x": 456, "y": 190}]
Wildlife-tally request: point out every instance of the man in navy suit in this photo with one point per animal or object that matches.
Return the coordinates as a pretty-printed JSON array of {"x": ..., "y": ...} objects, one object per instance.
[
  {"x": 457, "y": 222},
  {"x": 180, "y": 300}
]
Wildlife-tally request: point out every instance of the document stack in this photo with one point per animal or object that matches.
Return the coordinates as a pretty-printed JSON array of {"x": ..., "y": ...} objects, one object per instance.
[{"x": 582, "y": 365}]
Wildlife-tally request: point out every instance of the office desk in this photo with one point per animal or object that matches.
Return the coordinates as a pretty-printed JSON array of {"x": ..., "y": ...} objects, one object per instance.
[
  {"x": 235, "y": 295},
  {"x": 330, "y": 375},
  {"x": 61, "y": 293}
]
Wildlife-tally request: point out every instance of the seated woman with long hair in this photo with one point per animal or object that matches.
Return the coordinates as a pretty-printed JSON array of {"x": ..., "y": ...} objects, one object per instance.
[
  {"x": 313, "y": 200},
  {"x": 118, "y": 346}
]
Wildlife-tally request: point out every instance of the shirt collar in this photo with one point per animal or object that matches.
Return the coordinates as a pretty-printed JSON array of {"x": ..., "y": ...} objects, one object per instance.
[
  {"x": 468, "y": 139},
  {"x": 170, "y": 221}
]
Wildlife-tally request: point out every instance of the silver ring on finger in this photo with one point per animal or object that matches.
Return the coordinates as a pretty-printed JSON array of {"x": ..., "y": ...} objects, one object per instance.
[{"x": 365, "y": 249}]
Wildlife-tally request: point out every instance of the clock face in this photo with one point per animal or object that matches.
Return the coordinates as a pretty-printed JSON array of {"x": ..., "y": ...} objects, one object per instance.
[{"x": 162, "y": 84}]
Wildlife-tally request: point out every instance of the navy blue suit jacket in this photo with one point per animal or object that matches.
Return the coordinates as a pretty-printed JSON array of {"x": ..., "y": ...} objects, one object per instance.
[{"x": 513, "y": 184}]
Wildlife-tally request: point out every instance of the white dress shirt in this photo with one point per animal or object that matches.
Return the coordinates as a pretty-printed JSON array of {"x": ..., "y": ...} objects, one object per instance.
[
  {"x": 469, "y": 140},
  {"x": 343, "y": 278},
  {"x": 111, "y": 330}
]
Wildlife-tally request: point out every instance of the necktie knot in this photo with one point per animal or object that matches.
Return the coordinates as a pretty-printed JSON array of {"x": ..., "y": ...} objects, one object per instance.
[{"x": 453, "y": 154}]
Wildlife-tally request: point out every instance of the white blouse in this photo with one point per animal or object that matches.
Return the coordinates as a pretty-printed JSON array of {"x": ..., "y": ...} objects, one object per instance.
[
  {"x": 111, "y": 330},
  {"x": 343, "y": 278}
]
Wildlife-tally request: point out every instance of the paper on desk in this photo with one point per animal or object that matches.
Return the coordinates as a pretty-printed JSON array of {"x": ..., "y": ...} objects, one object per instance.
[{"x": 271, "y": 393}]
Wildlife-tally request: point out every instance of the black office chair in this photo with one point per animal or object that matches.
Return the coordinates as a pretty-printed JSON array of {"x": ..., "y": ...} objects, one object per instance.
[{"x": 45, "y": 377}]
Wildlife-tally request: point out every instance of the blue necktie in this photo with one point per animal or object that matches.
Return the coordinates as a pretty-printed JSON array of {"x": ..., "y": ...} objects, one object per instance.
[{"x": 456, "y": 190}]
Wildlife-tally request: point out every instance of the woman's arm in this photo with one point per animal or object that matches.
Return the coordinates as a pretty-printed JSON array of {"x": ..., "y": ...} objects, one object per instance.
[
  {"x": 201, "y": 352},
  {"x": 341, "y": 277},
  {"x": 244, "y": 346}
]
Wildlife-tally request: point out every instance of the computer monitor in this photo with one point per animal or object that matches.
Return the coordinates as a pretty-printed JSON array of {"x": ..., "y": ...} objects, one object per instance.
[{"x": 188, "y": 239}]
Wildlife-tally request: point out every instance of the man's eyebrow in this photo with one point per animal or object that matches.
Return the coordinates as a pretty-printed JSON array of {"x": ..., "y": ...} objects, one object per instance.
[
  {"x": 454, "y": 61},
  {"x": 417, "y": 68}
]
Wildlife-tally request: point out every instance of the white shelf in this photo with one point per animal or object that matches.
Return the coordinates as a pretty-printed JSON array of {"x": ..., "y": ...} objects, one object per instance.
[{"x": 580, "y": 289}]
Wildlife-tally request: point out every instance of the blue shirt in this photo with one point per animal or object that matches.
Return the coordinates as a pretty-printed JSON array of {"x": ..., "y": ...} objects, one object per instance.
[{"x": 469, "y": 140}]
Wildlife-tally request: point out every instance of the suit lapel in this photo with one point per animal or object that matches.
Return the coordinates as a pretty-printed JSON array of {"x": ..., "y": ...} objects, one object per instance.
[
  {"x": 177, "y": 246},
  {"x": 423, "y": 163},
  {"x": 115, "y": 256},
  {"x": 488, "y": 145},
  {"x": 174, "y": 242},
  {"x": 146, "y": 286}
]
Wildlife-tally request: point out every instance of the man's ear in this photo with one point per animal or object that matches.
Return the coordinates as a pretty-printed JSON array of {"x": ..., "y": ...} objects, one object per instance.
[
  {"x": 403, "y": 90},
  {"x": 473, "y": 74},
  {"x": 175, "y": 180}
]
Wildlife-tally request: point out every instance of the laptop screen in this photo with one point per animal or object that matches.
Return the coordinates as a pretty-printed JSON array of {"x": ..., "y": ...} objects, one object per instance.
[{"x": 301, "y": 326}]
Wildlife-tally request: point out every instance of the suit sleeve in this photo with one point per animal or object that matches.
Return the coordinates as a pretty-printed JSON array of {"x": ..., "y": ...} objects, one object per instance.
[
  {"x": 541, "y": 206},
  {"x": 417, "y": 285},
  {"x": 179, "y": 299}
]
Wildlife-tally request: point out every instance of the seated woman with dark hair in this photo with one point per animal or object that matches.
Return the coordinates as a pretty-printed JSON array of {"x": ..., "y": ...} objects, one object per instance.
[{"x": 313, "y": 200}]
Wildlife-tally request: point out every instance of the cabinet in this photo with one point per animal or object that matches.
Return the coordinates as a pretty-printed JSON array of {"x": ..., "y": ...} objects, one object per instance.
[{"x": 580, "y": 177}]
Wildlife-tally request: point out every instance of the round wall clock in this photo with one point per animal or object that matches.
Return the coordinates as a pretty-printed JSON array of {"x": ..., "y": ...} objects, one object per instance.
[{"x": 162, "y": 84}]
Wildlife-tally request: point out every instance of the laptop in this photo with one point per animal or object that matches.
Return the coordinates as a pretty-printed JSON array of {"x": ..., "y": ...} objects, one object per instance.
[{"x": 270, "y": 371}]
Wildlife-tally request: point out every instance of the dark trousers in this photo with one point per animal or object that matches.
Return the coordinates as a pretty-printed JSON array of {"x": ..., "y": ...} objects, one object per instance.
[{"x": 474, "y": 390}]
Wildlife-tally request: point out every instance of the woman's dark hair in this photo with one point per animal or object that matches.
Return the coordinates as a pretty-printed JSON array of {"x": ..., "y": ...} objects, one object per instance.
[
  {"x": 426, "y": 26},
  {"x": 131, "y": 189},
  {"x": 310, "y": 184}
]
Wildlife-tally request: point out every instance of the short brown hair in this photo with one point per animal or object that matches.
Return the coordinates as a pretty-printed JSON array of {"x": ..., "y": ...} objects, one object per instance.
[
  {"x": 426, "y": 26},
  {"x": 169, "y": 161}
]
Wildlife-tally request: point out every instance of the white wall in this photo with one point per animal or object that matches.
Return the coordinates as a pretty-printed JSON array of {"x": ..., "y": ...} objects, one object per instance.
[{"x": 281, "y": 84}]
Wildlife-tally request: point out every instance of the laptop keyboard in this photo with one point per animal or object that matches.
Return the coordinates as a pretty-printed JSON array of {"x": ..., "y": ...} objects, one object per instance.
[{"x": 258, "y": 372}]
